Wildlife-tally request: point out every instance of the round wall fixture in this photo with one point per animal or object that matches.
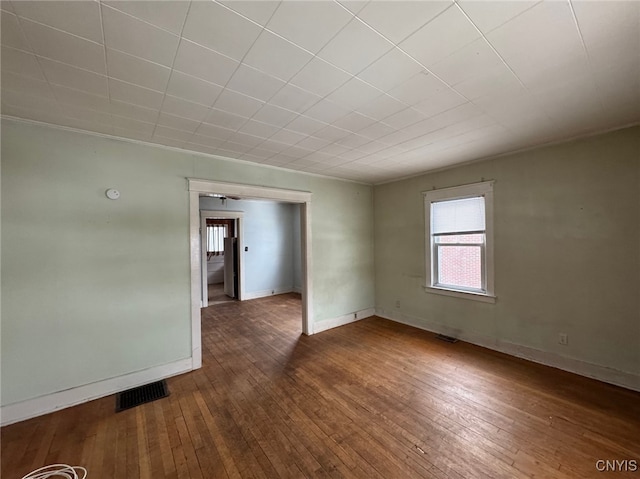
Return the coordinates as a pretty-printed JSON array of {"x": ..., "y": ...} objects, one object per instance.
[{"x": 113, "y": 194}]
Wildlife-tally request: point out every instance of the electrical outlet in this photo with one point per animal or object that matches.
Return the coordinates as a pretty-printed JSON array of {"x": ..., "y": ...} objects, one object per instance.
[
  {"x": 563, "y": 339},
  {"x": 397, "y": 303}
]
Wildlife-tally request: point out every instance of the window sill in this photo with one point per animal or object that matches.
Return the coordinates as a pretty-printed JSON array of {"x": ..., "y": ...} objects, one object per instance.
[{"x": 485, "y": 298}]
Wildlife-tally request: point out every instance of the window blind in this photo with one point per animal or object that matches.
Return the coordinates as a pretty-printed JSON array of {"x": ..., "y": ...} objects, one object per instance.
[
  {"x": 215, "y": 238},
  {"x": 458, "y": 216}
]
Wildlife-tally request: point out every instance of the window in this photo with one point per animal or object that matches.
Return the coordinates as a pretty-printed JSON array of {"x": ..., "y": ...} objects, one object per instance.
[
  {"x": 215, "y": 238},
  {"x": 217, "y": 230},
  {"x": 459, "y": 241}
]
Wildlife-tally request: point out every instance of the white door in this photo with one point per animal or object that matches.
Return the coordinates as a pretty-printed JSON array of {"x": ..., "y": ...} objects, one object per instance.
[{"x": 229, "y": 269}]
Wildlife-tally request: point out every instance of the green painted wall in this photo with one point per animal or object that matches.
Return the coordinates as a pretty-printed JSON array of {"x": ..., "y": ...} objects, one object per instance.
[
  {"x": 567, "y": 251},
  {"x": 94, "y": 289}
]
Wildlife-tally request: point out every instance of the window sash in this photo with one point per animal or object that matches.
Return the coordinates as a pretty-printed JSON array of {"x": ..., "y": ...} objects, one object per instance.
[
  {"x": 460, "y": 233},
  {"x": 435, "y": 256}
]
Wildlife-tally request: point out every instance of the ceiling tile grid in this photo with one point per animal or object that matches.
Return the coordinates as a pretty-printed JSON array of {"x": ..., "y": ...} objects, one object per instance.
[{"x": 362, "y": 90}]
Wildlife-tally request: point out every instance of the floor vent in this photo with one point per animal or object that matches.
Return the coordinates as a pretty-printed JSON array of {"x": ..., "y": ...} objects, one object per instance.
[
  {"x": 140, "y": 395},
  {"x": 448, "y": 339}
]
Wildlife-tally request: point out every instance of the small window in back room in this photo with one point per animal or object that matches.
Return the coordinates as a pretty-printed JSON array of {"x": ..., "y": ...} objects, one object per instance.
[
  {"x": 459, "y": 241},
  {"x": 215, "y": 238},
  {"x": 217, "y": 231}
]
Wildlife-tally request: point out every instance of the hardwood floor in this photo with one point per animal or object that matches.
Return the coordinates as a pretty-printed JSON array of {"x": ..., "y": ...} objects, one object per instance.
[
  {"x": 373, "y": 399},
  {"x": 216, "y": 294}
]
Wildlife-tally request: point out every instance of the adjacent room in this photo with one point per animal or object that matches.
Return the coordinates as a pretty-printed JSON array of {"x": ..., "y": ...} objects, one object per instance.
[{"x": 324, "y": 238}]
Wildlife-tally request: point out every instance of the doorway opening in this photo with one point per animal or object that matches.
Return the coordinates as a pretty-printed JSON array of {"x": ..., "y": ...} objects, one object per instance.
[
  {"x": 220, "y": 246},
  {"x": 302, "y": 199},
  {"x": 222, "y": 261}
]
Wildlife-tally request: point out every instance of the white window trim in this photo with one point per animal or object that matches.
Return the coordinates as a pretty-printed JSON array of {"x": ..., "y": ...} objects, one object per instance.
[{"x": 485, "y": 189}]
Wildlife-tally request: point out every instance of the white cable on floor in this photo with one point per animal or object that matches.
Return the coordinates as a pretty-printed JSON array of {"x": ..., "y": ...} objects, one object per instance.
[{"x": 58, "y": 470}]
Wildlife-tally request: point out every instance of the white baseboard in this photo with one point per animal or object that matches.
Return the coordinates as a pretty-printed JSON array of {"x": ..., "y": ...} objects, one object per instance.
[
  {"x": 297, "y": 289},
  {"x": 342, "y": 320},
  {"x": 30, "y": 408},
  {"x": 572, "y": 365},
  {"x": 265, "y": 293}
]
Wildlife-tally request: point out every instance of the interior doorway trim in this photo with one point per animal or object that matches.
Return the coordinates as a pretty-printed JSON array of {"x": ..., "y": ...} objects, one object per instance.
[
  {"x": 226, "y": 214},
  {"x": 199, "y": 187}
]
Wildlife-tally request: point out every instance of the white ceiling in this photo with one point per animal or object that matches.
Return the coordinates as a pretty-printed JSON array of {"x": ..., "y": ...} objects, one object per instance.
[{"x": 362, "y": 90}]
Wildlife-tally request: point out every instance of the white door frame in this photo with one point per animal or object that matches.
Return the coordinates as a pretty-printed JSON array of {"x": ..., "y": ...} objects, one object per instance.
[
  {"x": 226, "y": 214},
  {"x": 198, "y": 187}
]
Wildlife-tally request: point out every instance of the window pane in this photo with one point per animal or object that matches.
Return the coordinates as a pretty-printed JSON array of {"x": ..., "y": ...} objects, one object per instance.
[
  {"x": 460, "y": 266},
  {"x": 452, "y": 239},
  {"x": 458, "y": 216}
]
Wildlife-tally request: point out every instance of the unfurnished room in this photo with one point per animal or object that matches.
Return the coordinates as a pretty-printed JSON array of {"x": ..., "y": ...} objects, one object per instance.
[{"x": 325, "y": 238}]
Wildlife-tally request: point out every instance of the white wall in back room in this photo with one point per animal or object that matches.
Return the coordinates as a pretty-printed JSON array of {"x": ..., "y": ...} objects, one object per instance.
[{"x": 215, "y": 270}]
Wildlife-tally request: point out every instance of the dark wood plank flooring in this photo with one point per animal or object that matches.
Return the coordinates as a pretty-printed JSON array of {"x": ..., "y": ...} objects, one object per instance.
[{"x": 373, "y": 399}]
